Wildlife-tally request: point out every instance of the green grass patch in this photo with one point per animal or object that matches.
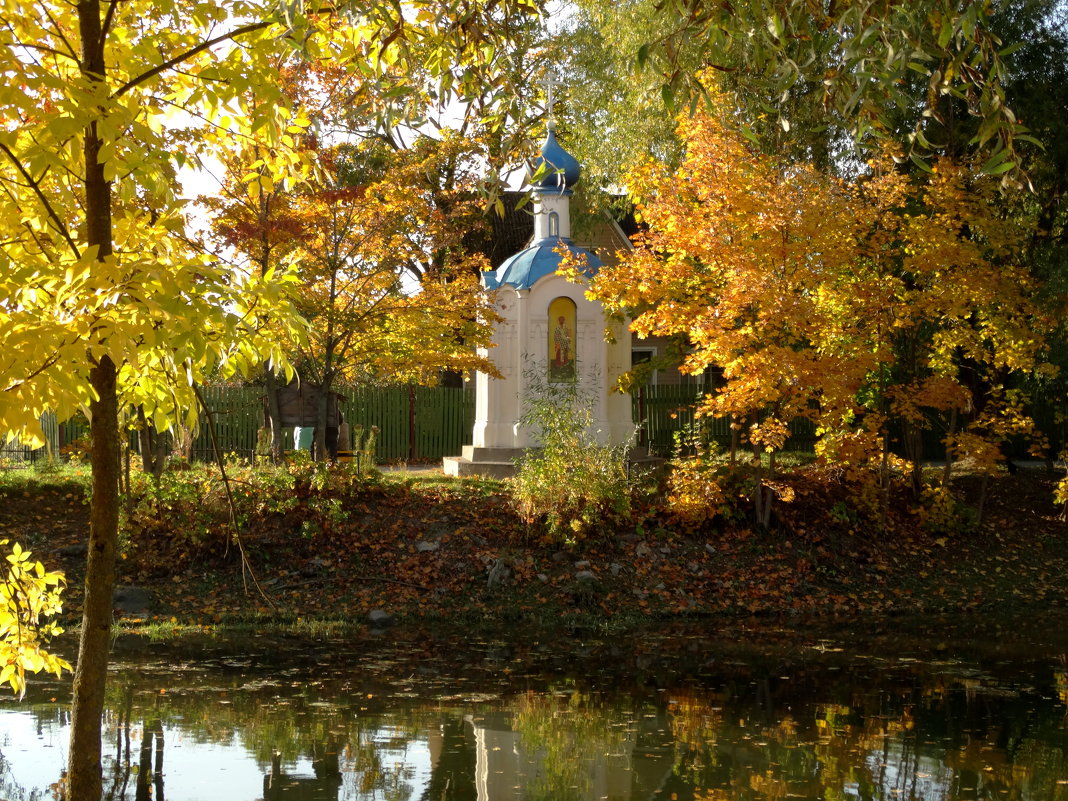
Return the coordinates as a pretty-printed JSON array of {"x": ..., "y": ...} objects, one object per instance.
[
  {"x": 42, "y": 477},
  {"x": 260, "y": 624},
  {"x": 436, "y": 481},
  {"x": 157, "y": 631}
]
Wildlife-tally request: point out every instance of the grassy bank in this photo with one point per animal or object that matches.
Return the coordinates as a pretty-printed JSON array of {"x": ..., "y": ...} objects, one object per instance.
[{"x": 323, "y": 549}]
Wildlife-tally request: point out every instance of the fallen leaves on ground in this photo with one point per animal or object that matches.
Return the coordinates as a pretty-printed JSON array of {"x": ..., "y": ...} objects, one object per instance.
[{"x": 456, "y": 549}]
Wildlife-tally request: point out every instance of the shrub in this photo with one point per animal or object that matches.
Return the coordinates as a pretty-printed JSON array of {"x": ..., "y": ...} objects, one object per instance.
[
  {"x": 364, "y": 444},
  {"x": 572, "y": 484},
  {"x": 941, "y": 513},
  {"x": 695, "y": 491}
]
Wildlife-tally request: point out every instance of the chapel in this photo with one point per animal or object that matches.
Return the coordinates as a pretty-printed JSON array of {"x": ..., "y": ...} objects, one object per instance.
[{"x": 550, "y": 334}]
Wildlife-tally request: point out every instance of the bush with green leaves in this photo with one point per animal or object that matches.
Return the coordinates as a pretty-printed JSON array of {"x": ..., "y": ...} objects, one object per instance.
[
  {"x": 572, "y": 485},
  {"x": 364, "y": 444},
  {"x": 194, "y": 503},
  {"x": 696, "y": 483}
]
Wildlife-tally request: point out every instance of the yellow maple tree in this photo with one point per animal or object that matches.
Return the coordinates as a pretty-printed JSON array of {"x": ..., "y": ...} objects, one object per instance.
[
  {"x": 865, "y": 306},
  {"x": 103, "y": 303}
]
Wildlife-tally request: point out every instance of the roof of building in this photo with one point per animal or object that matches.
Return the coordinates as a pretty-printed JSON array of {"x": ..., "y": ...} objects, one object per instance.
[{"x": 525, "y": 268}]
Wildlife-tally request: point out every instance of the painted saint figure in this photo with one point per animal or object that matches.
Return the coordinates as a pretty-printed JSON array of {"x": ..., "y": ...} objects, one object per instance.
[{"x": 562, "y": 340}]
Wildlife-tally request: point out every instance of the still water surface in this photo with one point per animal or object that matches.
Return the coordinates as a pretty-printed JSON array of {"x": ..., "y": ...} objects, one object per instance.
[{"x": 682, "y": 714}]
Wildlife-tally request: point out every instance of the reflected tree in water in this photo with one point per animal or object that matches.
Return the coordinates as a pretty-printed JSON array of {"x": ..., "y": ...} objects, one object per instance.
[
  {"x": 940, "y": 738},
  {"x": 810, "y": 728},
  {"x": 577, "y": 746},
  {"x": 147, "y": 771},
  {"x": 10, "y": 790}
]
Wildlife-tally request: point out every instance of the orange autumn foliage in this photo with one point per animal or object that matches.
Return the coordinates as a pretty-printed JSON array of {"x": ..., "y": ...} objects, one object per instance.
[
  {"x": 391, "y": 291},
  {"x": 866, "y": 306}
]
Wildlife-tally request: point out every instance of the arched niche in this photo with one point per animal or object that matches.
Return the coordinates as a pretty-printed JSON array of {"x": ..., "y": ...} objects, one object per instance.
[{"x": 563, "y": 315}]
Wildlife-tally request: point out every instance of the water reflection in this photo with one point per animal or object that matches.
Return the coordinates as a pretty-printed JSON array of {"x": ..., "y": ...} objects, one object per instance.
[{"x": 666, "y": 718}]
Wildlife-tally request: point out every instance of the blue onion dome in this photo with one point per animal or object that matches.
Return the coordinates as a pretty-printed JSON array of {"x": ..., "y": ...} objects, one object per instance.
[
  {"x": 564, "y": 169},
  {"x": 526, "y": 267}
]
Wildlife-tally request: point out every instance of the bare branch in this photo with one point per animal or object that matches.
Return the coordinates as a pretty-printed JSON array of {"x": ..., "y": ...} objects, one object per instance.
[
  {"x": 50, "y": 50},
  {"x": 49, "y": 362}
]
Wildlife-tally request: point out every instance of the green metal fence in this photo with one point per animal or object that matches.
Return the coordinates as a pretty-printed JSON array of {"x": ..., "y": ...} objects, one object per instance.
[
  {"x": 425, "y": 423},
  {"x": 413, "y": 422},
  {"x": 238, "y": 416},
  {"x": 667, "y": 410},
  {"x": 58, "y": 436}
]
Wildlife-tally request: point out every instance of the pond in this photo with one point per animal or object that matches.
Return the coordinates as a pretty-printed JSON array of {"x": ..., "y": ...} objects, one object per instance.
[{"x": 676, "y": 713}]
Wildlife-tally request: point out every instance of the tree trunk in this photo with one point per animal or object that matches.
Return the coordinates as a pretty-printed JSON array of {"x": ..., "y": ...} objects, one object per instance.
[
  {"x": 85, "y": 777},
  {"x": 327, "y": 411},
  {"x": 163, "y": 442},
  {"x": 984, "y": 488},
  {"x": 274, "y": 416},
  {"x": 759, "y": 498},
  {"x": 947, "y": 471},
  {"x": 90, "y": 677},
  {"x": 735, "y": 441},
  {"x": 127, "y": 492},
  {"x": 913, "y": 440},
  {"x": 144, "y": 443},
  {"x": 884, "y": 481},
  {"x": 153, "y": 446},
  {"x": 319, "y": 446}
]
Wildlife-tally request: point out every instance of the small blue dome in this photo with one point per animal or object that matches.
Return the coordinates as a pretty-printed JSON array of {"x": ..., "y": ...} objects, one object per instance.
[
  {"x": 564, "y": 169},
  {"x": 539, "y": 260}
]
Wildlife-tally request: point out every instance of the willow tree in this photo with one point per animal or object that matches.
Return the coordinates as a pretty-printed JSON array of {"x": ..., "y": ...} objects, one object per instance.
[
  {"x": 102, "y": 304},
  {"x": 857, "y": 65},
  {"x": 828, "y": 83}
]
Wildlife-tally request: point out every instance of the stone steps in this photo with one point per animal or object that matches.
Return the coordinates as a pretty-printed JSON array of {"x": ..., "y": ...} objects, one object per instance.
[
  {"x": 486, "y": 462},
  {"x": 500, "y": 462}
]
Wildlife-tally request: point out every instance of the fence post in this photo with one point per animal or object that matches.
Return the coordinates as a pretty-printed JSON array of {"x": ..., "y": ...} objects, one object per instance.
[
  {"x": 411, "y": 422},
  {"x": 643, "y": 434}
]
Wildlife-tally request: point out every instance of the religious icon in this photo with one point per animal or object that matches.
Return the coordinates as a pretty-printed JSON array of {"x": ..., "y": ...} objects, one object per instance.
[{"x": 562, "y": 340}]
